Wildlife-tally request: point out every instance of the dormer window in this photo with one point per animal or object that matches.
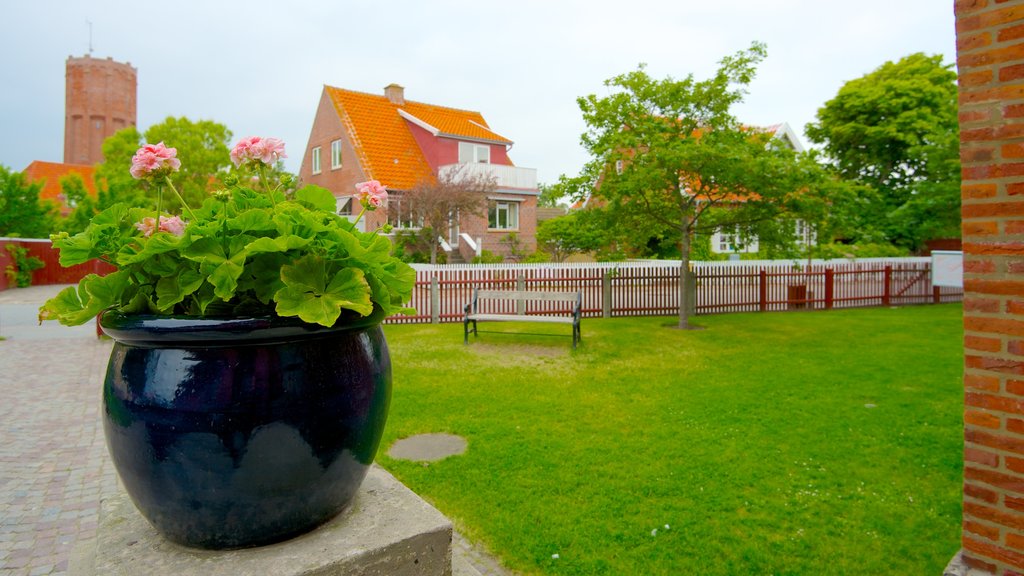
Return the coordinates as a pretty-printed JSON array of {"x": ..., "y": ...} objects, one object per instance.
[{"x": 470, "y": 153}]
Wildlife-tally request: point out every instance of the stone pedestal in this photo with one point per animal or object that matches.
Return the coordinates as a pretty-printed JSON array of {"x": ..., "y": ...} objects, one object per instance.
[{"x": 387, "y": 531}]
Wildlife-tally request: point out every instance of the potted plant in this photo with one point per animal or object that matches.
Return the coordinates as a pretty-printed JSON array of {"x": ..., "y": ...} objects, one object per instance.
[{"x": 249, "y": 380}]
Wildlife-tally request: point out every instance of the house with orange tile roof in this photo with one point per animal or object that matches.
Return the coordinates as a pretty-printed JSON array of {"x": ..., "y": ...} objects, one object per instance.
[
  {"x": 357, "y": 136},
  {"x": 50, "y": 175}
]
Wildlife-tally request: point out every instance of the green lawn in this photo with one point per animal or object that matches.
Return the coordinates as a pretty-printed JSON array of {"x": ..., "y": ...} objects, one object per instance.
[{"x": 797, "y": 443}]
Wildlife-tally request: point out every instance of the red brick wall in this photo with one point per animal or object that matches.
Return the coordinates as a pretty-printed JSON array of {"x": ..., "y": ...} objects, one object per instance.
[
  {"x": 100, "y": 99},
  {"x": 990, "y": 59}
]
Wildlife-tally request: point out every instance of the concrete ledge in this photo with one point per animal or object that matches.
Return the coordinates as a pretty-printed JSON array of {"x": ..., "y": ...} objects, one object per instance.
[{"x": 387, "y": 531}]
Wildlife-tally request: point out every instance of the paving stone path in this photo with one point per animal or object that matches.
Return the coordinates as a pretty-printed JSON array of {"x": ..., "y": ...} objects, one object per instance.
[{"x": 54, "y": 467}]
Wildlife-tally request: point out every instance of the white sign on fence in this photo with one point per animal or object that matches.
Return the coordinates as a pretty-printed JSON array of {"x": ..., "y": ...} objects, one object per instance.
[{"x": 948, "y": 268}]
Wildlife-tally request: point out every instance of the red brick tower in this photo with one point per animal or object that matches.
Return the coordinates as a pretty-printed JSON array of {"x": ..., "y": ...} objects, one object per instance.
[{"x": 100, "y": 100}]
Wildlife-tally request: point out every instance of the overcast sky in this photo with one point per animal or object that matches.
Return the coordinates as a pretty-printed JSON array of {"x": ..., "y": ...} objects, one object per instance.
[{"x": 259, "y": 67}]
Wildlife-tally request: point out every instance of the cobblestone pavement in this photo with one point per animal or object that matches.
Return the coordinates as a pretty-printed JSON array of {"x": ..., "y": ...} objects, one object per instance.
[
  {"x": 53, "y": 463},
  {"x": 53, "y": 460}
]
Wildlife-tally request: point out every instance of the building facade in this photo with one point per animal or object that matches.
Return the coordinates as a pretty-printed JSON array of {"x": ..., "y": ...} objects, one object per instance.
[{"x": 100, "y": 99}]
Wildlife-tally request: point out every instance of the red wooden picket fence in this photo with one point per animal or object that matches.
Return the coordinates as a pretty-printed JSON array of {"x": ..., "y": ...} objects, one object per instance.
[
  {"x": 635, "y": 288},
  {"x": 651, "y": 288}
]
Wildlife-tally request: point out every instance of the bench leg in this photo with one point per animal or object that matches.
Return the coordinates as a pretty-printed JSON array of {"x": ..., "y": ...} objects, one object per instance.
[{"x": 465, "y": 331}]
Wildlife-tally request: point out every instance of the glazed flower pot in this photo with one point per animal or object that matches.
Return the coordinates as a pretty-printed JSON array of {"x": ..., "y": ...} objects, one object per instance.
[{"x": 239, "y": 432}]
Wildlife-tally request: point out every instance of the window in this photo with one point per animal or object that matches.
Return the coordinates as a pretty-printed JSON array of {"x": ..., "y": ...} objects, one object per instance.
[
  {"x": 618, "y": 166},
  {"x": 344, "y": 205},
  {"x": 733, "y": 240},
  {"x": 316, "y": 160},
  {"x": 400, "y": 214},
  {"x": 503, "y": 215},
  {"x": 470, "y": 153},
  {"x": 803, "y": 233},
  {"x": 335, "y": 154}
]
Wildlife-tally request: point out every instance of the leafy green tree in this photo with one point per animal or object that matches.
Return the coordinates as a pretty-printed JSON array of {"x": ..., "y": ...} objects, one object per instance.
[
  {"x": 669, "y": 155},
  {"x": 896, "y": 131},
  {"x": 202, "y": 148},
  {"x": 83, "y": 205},
  {"x": 22, "y": 213},
  {"x": 435, "y": 203},
  {"x": 550, "y": 196},
  {"x": 574, "y": 233}
]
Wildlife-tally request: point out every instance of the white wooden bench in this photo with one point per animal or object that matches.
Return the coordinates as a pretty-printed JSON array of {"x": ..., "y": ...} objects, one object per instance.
[{"x": 521, "y": 297}]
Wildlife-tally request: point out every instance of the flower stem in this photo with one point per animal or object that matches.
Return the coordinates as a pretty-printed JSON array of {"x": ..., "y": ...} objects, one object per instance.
[
  {"x": 266, "y": 183},
  {"x": 356, "y": 221},
  {"x": 180, "y": 199}
]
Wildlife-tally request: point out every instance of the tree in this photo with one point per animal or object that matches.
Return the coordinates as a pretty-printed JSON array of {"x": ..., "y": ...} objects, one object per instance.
[
  {"x": 83, "y": 206},
  {"x": 436, "y": 203},
  {"x": 202, "y": 148},
  {"x": 896, "y": 130},
  {"x": 574, "y": 233},
  {"x": 668, "y": 154},
  {"x": 22, "y": 213}
]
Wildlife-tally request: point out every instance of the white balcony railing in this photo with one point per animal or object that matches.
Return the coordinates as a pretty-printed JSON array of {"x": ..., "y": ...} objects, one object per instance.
[{"x": 506, "y": 177}]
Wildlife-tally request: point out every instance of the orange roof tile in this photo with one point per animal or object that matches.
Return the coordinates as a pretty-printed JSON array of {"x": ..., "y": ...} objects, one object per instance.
[
  {"x": 386, "y": 147},
  {"x": 50, "y": 173}
]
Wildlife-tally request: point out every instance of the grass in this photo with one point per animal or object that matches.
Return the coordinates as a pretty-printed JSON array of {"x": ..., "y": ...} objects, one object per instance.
[{"x": 798, "y": 443}]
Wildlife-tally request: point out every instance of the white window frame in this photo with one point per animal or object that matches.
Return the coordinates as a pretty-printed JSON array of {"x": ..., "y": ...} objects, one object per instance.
[
  {"x": 733, "y": 241},
  {"x": 335, "y": 154},
  {"x": 344, "y": 205},
  {"x": 315, "y": 160},
  {"x": 804, "y": 233},
  {"x": 472, "y": 153},
  {"x": 401, "y": 219},
  {"x": 495, "y": 207}
]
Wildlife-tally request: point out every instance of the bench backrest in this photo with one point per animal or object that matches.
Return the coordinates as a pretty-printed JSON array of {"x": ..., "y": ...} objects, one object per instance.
[{"x": 527, "y": 296}]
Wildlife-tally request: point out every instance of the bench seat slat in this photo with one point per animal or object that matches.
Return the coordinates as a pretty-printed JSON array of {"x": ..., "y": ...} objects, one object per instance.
[
  {"x": 521, "y": 318},
  {"x": 526, "y": 296}
]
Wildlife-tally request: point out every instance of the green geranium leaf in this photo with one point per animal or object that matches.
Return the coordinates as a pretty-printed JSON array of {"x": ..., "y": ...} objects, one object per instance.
[
  {"x": 74, "y": 249},
  {"x": 317, "y": 198},
  {"x": 157, "y": 244},
  {"x": 305, "y": 294},
  {"x": 78, "y": 304},
  {"x": 281, "y": 244},
  {"x": 170, "y": 290},
  {"x": 251, "y": 220}
]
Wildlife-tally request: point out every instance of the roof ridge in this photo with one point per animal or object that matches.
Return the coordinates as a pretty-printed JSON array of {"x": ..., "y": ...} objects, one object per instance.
[{"x": 407, "y": 101}]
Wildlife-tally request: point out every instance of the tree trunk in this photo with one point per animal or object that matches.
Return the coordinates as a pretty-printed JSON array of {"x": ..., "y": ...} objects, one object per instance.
[{"x": 687, "y": 286}]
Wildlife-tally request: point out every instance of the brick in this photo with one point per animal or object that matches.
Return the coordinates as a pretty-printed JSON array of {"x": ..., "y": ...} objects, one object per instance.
[
  {"x": 984, "y": 228},
  {"x": 995, "y": 403},
  {"x": 968, "y": 6},
  {"x": 975, "y": 303},
  {"x": 1013, "y": 110},
  {"x": 994, "y": 94},
  {"x": 1015, "y": 266},
  {"x": 980, "y": 493},
  {"x": 984, "y": 530},
  {"x": 1010, "y": 73},
  {"x": 1015, "y": 188},
  {"x": 1009, "y": 131},
  {"x": 1015, "y": 387},
  {"x": 976, "y": 78},
  {"x": 994, "y": 515},
  {"x": 997, "y": 249},
  {"x": 982, "y": 344},
  {"x": 1015, "y": 150},
  {"x": 1005, "y": 287},
  {"x": 974, "y": 116},
  {"x": 1015, "y": 307},
  {"x": 986, "y": 458},
  {"x": 981, "y": 418},
  {"x": 1013, "y": 464},
  {"x": 977, "y": 154},
  {"x": 993, "y": 440},
  {"x": 1015, "y": 425},
  {"x": 991, "y": 551},
  {"x": 1015, "y": 347},
  {"x": 985, "y": 134},
  {"x": 994, "y": 364},
  {"x": 975, "y": 190},
  {"x": 1013, "y": 227},
  {"x": 976, "y": 563},
  {"x": 1015, "y": 541},
  {"x": 994, "y": 325},
  {"x": 989, "y": 171},
  {"x": 979, "y": 267},
  {"x": 1011, "y": 33},
  {"x": 983, "y": 382},
  {"x": 968, "y": 42}
]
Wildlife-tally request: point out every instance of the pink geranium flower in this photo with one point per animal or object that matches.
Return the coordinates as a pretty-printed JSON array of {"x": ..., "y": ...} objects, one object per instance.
[
  {"x": 154, "y": 160},
  {"x": 170, "y": 224},
  {"x": 257, "y": 149},
  {"x": 371, "y": 194}
]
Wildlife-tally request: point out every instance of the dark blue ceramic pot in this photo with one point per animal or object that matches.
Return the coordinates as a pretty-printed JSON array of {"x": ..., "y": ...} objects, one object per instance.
[{"x": 238, "y": 432}]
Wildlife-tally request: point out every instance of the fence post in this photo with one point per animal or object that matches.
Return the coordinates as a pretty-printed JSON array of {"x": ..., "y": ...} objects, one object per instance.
[
  {"x": 763, "y": 290},
  {"x": 435, "y": 300},
  {"x": 887, "y": 291},
  {"x": 829, "y": 287},
  {"x": 606, "y": 294},
  {"x": 936, "y": 295},
  {"x": 520, "y": 285}
]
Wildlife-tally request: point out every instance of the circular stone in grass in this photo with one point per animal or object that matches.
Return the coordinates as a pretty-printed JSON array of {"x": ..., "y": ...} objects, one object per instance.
[{"x": 428, "y": 447}]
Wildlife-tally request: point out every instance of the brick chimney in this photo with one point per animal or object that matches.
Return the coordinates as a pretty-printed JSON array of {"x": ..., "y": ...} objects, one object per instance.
[{"x": 395, "y": 93}]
